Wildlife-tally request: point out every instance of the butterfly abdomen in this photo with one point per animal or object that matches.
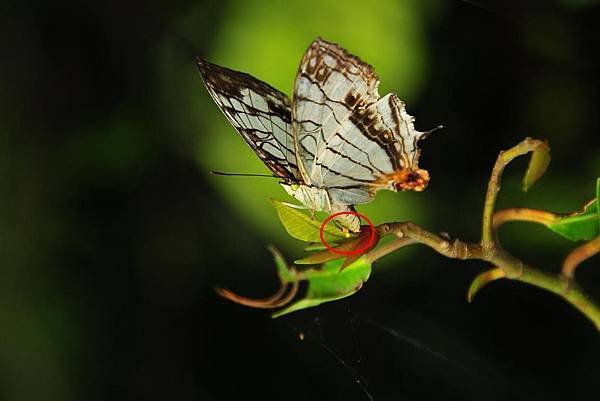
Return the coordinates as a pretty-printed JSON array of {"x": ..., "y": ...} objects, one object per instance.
[
  {"x": 404, "y": 180},
  {"x": 414, "y": 180}
]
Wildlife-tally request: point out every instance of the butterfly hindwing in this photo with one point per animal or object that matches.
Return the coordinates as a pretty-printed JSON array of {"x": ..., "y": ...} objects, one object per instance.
[
  {"x": 349, "y": 139},
  {"x": 329, "y": 86},
  {"x": 259, "y": 112}
]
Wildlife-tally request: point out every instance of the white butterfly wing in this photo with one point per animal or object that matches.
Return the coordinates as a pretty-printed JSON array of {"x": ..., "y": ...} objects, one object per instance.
[
  {"x": 259, "y": 112},
  {"x": 329, "y": 86},
  {"x": 349, "y": 140}
]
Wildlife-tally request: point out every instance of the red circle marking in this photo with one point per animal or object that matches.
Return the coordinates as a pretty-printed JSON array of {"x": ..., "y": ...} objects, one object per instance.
[{"x": 356, "y": 251}]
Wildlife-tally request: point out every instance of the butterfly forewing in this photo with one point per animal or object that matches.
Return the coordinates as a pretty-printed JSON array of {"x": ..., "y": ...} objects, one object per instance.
[{"x": 259, "y": 112}]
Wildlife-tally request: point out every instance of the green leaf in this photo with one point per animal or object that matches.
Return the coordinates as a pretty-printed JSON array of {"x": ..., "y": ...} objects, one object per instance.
[
  {"x": 540, "y": 159},
  {"x": 302, "y": 227},
  {"x": 283, "y": 271},
  {"x": 482, "y": 280},
  {"x": 315, "y": 247},
  {"x": 329, "y": 284},
  {"x": 581, "y": 226}
]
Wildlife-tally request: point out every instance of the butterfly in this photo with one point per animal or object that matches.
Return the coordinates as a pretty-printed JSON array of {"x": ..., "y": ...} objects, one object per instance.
[{"x": 336, "y": 143}]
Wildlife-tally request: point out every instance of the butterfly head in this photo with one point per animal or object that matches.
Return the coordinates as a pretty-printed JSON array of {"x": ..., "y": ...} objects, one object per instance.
[
  {"x": 300, "y": 192},
  {"x": 291, "y": 188}
]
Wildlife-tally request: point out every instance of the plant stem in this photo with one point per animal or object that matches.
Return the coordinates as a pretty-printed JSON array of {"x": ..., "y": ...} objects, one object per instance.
[
  {"x": 489, "y": 249},
  {"x": 578, "y": 255},
  {"x": 388, "y": 248},
  {"x": 504, "y": 158},
  {"x": 542, "y": 217},
  {"x": 514, "y": 268}
]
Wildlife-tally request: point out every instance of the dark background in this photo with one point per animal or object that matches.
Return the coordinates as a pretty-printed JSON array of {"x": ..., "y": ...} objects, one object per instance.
[{"x": 113, "y": 234}]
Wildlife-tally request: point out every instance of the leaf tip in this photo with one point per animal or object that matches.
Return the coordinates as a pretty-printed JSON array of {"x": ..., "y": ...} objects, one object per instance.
[{"x": 538, "y": 164}]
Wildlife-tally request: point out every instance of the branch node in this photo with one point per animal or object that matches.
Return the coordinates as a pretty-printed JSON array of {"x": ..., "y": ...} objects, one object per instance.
[
  {"x": 460, "y": 250},
  {"x": 445, "y": 247},
  {"x": 384, "y": 229},
  {"x": 567, "y": 284}
]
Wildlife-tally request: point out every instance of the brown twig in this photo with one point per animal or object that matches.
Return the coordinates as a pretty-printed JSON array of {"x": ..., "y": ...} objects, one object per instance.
[
  {"x": 388, "y": 248},
  {"x": 542, "y": 217},
  {"x": 512, "y": 267}
]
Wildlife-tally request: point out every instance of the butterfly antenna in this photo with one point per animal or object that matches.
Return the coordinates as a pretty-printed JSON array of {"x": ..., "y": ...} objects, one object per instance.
[
  {"x": 242, "y": 174},
  {"x": 427, "y": 133}
]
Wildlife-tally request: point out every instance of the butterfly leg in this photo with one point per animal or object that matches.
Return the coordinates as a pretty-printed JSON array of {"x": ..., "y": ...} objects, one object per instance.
[{"x": 295, "y": 206}]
